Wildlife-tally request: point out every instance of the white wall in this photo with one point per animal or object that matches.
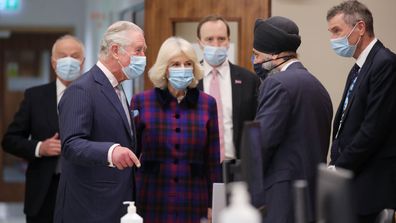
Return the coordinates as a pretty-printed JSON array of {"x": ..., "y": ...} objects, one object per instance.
[
  {"x": 88, "y": 18},
  {"x": 48, "y": 13},
  {"x": 315, "y": 51},
  {"x": 99, "y": 15}
]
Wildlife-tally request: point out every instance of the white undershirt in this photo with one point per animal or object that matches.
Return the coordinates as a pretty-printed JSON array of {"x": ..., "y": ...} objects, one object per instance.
[
  {"x": 363, "y": 56},
  {"x": 288, "y": 63}
]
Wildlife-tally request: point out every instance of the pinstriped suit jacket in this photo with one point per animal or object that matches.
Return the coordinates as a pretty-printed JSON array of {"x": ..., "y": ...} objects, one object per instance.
[{"x": 91, "y": 120}]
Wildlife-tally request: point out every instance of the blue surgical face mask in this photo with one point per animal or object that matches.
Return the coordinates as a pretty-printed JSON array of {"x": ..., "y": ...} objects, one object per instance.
[
  {"x": 135, "y": 67},
  {"x": 68, "y": 68},
  {"x": 180, "y": 77},
  {"x": 215, "y": 55},
  {"x": 342, "y": 47}
]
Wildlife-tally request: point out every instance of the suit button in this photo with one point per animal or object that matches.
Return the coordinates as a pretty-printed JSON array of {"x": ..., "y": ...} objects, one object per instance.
[
  {"x": 177, "y": 129},
  {"x": 177, "y": 116}
]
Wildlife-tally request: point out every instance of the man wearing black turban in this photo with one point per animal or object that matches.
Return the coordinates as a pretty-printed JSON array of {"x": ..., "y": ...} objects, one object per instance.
[
  {"x": 295, "y": 112},
  {"x": 278, "y": 38}
]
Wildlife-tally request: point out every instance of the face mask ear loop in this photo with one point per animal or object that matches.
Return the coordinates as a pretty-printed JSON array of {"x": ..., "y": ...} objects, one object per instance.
[
  {"x": 285, "y": 59},
  {"x": 360, "y": 37},
  {"x": 287, "y": 56},
  {"x": 354, "y": 27},
  {"x": 118, "y": 60}
]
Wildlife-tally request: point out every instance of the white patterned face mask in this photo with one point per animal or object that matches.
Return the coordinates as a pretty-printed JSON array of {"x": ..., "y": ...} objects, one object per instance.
[{"x": 68, "y": 68}]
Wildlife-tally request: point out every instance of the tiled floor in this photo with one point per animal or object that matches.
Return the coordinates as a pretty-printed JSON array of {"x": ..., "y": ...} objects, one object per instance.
[{"x": 11, "y": 213}]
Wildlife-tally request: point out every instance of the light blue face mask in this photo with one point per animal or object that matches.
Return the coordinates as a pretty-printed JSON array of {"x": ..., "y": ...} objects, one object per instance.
[
  {"x": 180, "y": 77},
  {"x": 215, "y": 55},
  {"x": 68, "y": 68},
  {"x": 135, "y": 68},
  {"x": 342, "y": 47}
]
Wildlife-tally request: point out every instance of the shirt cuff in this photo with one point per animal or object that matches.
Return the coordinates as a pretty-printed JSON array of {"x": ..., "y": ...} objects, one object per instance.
[
  {"x": 110, "y": 153},
  {"x": 332, "y": 167},
  {"x": 37, "y": 151}
]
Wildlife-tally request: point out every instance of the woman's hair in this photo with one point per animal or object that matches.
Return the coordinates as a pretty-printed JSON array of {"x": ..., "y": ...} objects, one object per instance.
[
  {"x": 171, "y": 48},
  {"x": 117, "y": 34}
]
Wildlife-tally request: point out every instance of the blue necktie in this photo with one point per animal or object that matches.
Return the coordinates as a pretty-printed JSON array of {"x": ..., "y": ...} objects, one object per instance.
[{"x": 353, "y": 77}]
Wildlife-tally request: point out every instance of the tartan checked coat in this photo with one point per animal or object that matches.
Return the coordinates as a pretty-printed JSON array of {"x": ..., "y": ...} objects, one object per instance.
[{"x": 180, "y": 154}]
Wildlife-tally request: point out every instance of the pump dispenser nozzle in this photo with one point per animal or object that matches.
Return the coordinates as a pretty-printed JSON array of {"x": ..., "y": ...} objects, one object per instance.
[
  {"x": 131, "y": 206},
  {"x": 131, "y": 216}
]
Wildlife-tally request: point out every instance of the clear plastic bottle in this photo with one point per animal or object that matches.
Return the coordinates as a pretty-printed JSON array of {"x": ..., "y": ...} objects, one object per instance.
[
  {"x": 131, "y": 216},
  {"x": 240, "y": 210}
]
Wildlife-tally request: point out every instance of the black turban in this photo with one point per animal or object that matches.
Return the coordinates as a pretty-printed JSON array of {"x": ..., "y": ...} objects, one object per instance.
[{"x": 276, "y": 34}]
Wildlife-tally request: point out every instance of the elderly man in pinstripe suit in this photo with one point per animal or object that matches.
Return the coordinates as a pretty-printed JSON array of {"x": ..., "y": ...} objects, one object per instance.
[{"x": 97, "y": 133}]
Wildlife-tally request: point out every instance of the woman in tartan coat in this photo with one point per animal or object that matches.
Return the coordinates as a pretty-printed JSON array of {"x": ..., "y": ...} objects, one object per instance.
[{"x": 178, "y": 140}]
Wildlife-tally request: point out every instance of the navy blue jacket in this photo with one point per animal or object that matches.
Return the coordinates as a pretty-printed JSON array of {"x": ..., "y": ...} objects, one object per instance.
[
  {"x": 295, "y": 112},
  {"x": 366, "y": 143}
]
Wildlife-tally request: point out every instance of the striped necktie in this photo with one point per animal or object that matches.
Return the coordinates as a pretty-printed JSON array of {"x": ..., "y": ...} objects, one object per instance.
[
  {"x": 353, "y": 77},
  {"x": 121, "y": 95}
]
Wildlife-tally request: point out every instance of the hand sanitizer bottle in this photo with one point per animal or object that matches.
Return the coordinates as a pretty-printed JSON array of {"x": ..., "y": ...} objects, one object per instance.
[
  {"x": 131, "y": 216},
  {"x": 240, "y": 209}
]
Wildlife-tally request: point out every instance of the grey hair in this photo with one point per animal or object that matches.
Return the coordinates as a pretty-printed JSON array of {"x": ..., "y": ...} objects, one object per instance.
[
  {"x": 171, "y": 48},
  {"x": 353, "y": 11},
  {"x": 116, "y": 34},
  {"x": 64, "y": 37}
]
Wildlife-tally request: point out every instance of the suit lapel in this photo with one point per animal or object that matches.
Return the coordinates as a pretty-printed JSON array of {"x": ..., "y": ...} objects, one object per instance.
[
  {"x": 52, "y": 107},
  {"x": 112, "y": 97},
  {"x": 236, "y": 84},
  {"x": 338, "y": 115},
  {"x": 362, "y": 73}
]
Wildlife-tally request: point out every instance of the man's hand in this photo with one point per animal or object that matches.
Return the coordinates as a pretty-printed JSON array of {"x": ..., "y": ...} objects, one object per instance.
[
  {"x": 123, "y": 157},
  {"x": 210, "y": 215},
  {"x": 50, "y": 146}
]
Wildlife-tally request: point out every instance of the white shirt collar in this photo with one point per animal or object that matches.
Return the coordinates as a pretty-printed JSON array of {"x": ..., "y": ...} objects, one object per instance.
[
  {"x": 223, "y": 69},
  {"x": 60, "y": 89},
  {"x": 288, "y": 63},
  {"x": 109, "y": 75},
  {"x": 363, "y": 56}
]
